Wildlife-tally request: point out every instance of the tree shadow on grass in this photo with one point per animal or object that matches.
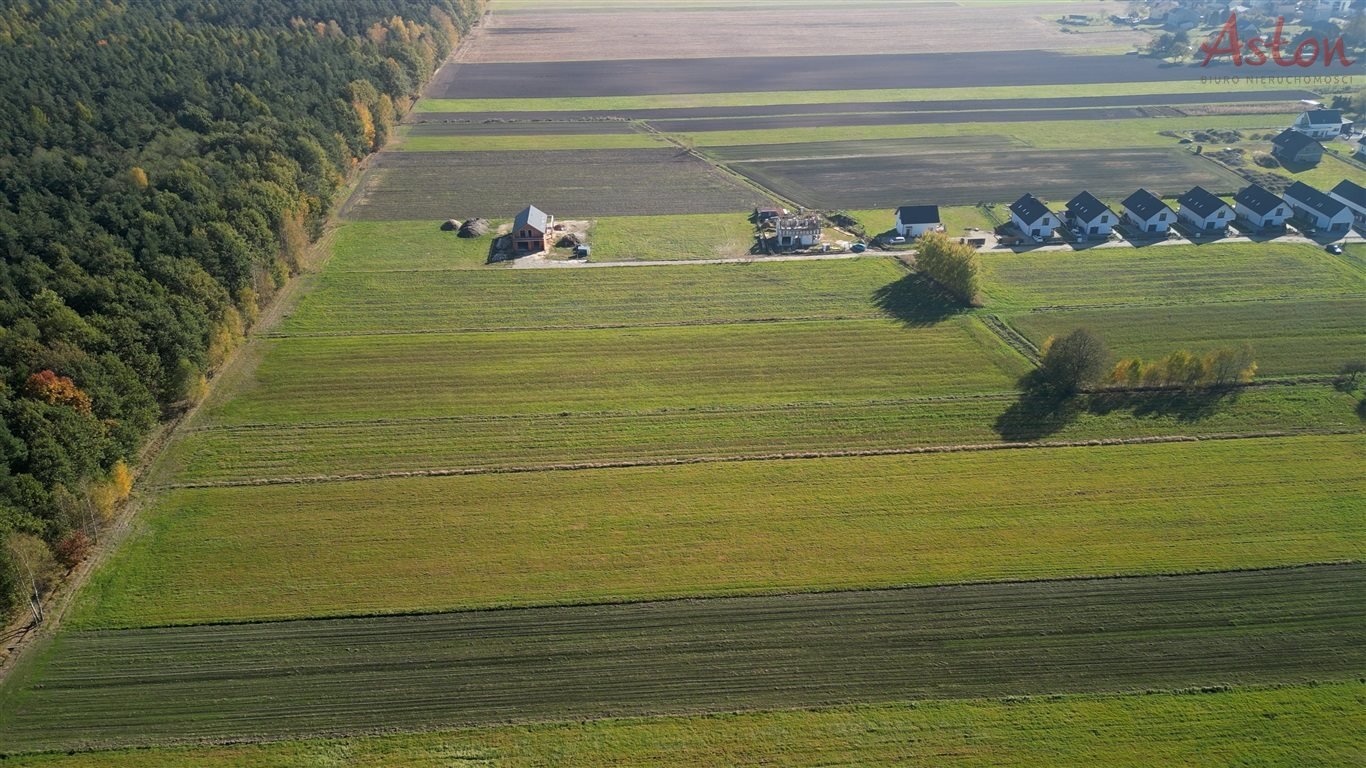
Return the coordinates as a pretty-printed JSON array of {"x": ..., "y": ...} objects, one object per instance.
[
  {"x": 1041, "y": 412},
  {"x": 917, "y": 301},
  {"x": 1184, "y": 405}
]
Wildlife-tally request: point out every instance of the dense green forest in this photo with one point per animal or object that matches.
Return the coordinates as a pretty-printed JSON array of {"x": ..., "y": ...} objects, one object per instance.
[{"x": 163, "y": 166}]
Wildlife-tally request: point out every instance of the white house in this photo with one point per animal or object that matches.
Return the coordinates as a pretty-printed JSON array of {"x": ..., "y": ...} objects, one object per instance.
[
  {"x": 1146, "y": 212},
  {"x": 1361, "y": 148},
  {"x": 1089, "y": 217},
  {"x": 1352, "y": 195},
  {"x": 916, "y": 220},
  {"x": 1204, "y": 212},
  {"x": 1033, "y": 218},
  {"x": 1321, "y": 123},
  {"x": 1327, "y": 214},
  {"x": 1261, "y": 209}
]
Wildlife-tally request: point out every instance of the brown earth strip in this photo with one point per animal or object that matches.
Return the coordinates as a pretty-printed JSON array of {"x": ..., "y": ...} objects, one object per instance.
[
  {"x": 907, "y": 118},
  {"x": 271, "y": 680}
]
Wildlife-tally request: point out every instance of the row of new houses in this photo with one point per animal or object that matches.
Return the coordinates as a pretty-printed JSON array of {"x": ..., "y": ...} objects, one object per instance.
[{"x": 1200, "y": 210}]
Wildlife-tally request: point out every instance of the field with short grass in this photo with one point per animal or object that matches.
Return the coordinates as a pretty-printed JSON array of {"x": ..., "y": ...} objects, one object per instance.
[
  {"x": 668, "y": 238},
  {"x": 423, "y": 544},
  {"x": 1216, "y": 727}
]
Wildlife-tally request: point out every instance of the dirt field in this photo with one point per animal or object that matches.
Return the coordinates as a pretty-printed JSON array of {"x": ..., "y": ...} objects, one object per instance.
[
  {"x": 575, "y": 35},
  {"x": 936, "y": 105},
  {"x": 484, "y": 127},
  {"x": 965, "y": 178},
  {"x": 908, "y": 118},
  {"x": 568, "y": 183},
  {"x": 794, "y": 73}
]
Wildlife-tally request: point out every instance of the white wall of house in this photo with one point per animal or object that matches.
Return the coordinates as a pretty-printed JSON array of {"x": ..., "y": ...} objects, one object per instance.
[
  {"x": 1217, "y": 220},
  {"x": 1158, "y": 223},
  {"x": 1339, "y": 223},
  {"x": 1358, "y": 212},
  {"x": 915, "y": 230},
  {"x": 1274, "y": 218},
  {"x": 1036, "y": 230},
  {"x": 1321, "y": 131},
  {"x": 1100, "y": 226}
]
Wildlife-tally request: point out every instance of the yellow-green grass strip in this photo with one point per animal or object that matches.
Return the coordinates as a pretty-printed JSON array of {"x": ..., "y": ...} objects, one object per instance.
[
  {"x": 430, "y": 544},
  {"x": 1284, "y": 727},
  {"x": 307, "y": 379},
  {"x": 529, "y": 143},
  {"x": 306, "y": 451}
]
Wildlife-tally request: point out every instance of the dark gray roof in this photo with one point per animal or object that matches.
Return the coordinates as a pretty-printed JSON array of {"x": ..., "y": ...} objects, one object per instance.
[
  {"x": 1200, "y": 201},
  {"x": 1086, "y": 207},
  {"x": 1258, "y": 199},
  {"x": 918, "y": 214},
  {"x": 1144, "y": 204},
  {"x": 1314, "y": 199},
  {"x": 1351, "y": 192},
  {"x": 1324, "y": 116},
  {"x": 1292, "y": 141},
  {"x": 1029, "y": 208},
  {"x": 533, "y": 216}
]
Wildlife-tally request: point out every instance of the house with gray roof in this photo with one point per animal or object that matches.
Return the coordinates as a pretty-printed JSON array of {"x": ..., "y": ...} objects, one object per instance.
[
  {"x": 1204, "y": 212},
  {"x": 1260, "y": 208},
  {"x": 1146, "y": 213},
  {"x": 1353, "y": 196},
  {"x": 1294, "y": 148},
  {"x": 531, "y": 231},
  {"x": 1033, "y": 219},
  {"x": 1326, "y": 214},
  {"x": 1321, "y": 123},
  {"x": 1089, "y": 217}
]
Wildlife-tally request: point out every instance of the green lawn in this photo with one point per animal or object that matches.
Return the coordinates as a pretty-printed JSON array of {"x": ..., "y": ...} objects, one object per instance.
[
  {"x": 1288, "y": 337},
  {"x": 668, "y": 238},
  {"x": 426, "y": 300},
  {"x": 1313, "y": 726},
  {"x": 1174, "y": 274},
  {"x": 684, "y": 656},
  {"x": 341, "y": 378},
  {"x": 665, "y": 101},
  {"x": 423, "y": 544},
  {"x": 955, "y": 218},
  {"x": 382, "y": 246},
  {"x": 232, "y": 454},
  {"x": 1326, "y": 174}
]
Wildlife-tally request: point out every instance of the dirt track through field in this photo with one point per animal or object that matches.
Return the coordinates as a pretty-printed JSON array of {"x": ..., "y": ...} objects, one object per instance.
[
  {"x": 929, "y": 105},
  {"x": 795, "y": 73},
  {"x": 255, "y": 681}
]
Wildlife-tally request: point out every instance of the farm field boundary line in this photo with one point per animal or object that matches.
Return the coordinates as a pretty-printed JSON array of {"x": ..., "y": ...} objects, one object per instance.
[
  {"x": 728, "y": 654},
  {"x": 793, "y": 456}
]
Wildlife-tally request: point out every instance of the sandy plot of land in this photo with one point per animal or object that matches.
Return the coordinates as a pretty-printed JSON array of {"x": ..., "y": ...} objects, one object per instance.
[{"x": 574, "y": 35}]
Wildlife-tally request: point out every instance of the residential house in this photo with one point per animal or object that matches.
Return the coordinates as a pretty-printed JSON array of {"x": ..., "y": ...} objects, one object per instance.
[
  {"x": 1261, "y": 209},
  {"x": 1326, "y": 214},
  {"x": 531, "y": 231},
  {"x": 1204, "y": 212},
  {"x": 768, "y": 213},
  {"x": 1089, "y": 217},
  {"x": 798, "y": 231},
  {"x": 1361, "y": 149},
  {"x": 1354, "y": 197},
  {"x": 1322, "y": 123},
  {"x": 1180, "y": 19},
  {"x": 916, "y": 220},
  {"x": 1033, "y": 218},
  {"x": 1295, "y": 148},
  {"x": 1146, "y": 213}
]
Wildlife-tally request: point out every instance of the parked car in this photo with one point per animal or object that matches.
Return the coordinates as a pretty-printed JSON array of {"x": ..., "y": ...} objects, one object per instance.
[{"x": 1334, "y": 249}]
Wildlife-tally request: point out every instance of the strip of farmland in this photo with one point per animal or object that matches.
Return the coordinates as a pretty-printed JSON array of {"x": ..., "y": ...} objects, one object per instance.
[
  {"x": 445, "y": 543},
  {"x": 1217, "y": 726},
  {"x": 351, "y": 377},
  {"x": 280, "y": 679},
  {"x": 1287, "y": 337},
  {"x": 796, "y": 73},
  {"x": 441, "y": 185},
  {"x": 253, "y": 454},
  {"x": 990, "y": 176},
  {"x": 926, "y": 105}
]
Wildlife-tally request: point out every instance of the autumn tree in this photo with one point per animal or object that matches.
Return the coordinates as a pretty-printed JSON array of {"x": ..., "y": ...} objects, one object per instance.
[
  {"x": 954, "y": 266},
  {"x": 1072, "y": 362},
  {"x": 56, "y": 390}
]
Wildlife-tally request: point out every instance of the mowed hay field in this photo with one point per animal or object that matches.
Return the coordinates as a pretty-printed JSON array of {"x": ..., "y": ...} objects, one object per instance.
[
  {"x": 428, "y": 300},
  {"x": 546, "y": 537},
  {"x": 305, "y": 677},
  {"x": 1213, "y": 727},
  {"x": 312, "y": 379},
  {"x": 1288, "y": 337},
  {"x": 1169, "y": 275}
]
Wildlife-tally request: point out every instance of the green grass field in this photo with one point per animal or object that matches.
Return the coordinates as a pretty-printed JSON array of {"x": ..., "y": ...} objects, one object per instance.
[
  {"x": 666, "y": 101},
  {"x": 421, "y": 544},
  {"x": 1169, "y": 274},
  {"x": 233, "y": 454},
  {"x": 485, "y": 667},
  {"x": 1224, "y": 727},
  {"x": 427, "y": 300},
  {"x": 1288, "y": 337},
  {"x": 667, "y": 238},
  {"x": 955, "y": 218},
  {"x": 382, "y": 246},
  {"x": 339, "y": 378}
]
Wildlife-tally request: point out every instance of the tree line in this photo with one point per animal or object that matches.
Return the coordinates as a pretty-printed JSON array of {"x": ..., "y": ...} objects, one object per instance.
[{"x": 164, "y": 165}]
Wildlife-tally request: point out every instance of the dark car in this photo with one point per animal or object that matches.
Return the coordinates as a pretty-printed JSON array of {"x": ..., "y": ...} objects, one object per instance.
[{"x": 1334, "y": 249}]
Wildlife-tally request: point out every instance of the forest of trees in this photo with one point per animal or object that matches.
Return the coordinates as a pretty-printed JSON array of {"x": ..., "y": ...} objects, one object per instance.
[{"x": 163, "y": 166}]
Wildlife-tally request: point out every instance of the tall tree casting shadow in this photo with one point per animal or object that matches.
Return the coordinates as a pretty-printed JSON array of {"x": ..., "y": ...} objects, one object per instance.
[
  {"x": 915, "y": 300},
  {"x": 1041, "y": 412}
]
